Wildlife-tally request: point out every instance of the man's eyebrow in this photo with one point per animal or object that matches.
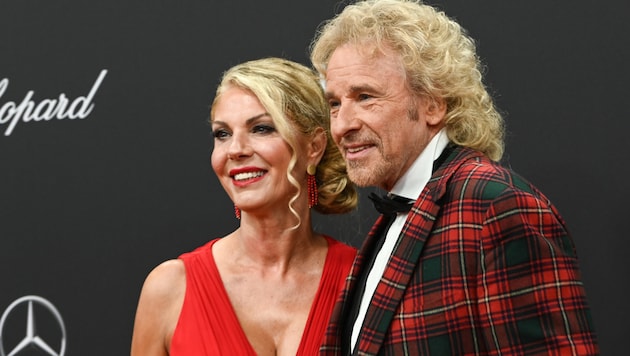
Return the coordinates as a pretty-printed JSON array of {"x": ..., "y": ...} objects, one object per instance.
[
  {"x": 354, "y": 89},
  {"x": 362, "y": 88}
]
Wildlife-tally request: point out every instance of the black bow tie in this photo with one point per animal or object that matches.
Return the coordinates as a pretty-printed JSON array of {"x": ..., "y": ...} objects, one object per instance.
[{"x": 391, "y": 204}]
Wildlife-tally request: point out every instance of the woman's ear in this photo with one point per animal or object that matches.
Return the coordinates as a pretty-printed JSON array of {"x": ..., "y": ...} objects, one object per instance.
[{"x": 317, "y": 146}]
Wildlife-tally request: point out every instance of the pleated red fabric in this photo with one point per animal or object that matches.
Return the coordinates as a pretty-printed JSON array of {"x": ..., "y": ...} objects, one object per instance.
[{"x": 208, "y": 324}]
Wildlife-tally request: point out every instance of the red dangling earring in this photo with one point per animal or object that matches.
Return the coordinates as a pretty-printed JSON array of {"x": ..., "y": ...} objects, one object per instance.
[
  {"x": 312, "y": 186},
  {"x": 237, "y": 212}
]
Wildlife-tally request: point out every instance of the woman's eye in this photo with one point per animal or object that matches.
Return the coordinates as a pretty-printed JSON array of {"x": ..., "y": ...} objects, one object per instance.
[
  {"x": 220, "y": 134},
  {"x": 263, "y": 129}
]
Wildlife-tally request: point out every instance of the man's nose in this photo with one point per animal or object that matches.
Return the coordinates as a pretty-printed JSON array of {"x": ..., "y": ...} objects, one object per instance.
[{"x": 344, "y": 121}]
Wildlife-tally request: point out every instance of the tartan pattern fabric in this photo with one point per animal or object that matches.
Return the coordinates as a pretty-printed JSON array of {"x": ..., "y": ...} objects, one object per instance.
[{"x": 484, "y": 266}]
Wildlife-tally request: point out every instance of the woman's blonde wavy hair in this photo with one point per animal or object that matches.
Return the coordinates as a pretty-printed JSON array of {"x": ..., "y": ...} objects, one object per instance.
[
  {"x": 438, "y": 56},
  {"x": 292, "y": 95}
]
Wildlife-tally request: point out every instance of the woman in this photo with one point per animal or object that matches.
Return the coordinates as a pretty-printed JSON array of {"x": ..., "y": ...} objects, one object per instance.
[{"x": 269, "y": 287}]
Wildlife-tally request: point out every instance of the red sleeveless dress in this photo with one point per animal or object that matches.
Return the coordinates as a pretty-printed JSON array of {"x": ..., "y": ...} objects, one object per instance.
[{"x": 208, "y": 324}]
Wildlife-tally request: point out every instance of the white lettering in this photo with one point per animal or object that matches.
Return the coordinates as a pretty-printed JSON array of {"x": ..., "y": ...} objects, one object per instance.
[
  {"x": 48, "y": 105},
  {"x": 8, "y": 106},
  {"x": 47, "y": 109}
]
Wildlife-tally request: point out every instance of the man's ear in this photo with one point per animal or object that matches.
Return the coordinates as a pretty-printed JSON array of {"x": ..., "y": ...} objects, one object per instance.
[
  {"x": 434, "y": 111},
  {"x": 317, "y": 146}
]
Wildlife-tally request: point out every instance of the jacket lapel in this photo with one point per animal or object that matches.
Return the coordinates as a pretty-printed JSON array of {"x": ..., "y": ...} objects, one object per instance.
[
  {"x": 351, "y": 289},
  {"x": 406, "y": 255}
]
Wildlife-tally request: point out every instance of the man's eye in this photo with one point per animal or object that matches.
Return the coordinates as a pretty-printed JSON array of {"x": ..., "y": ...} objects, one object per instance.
[
  {"x": 364, "y": 97},
  {"x": 263, "y": 129},
  {"x": 333, "y": 103}
]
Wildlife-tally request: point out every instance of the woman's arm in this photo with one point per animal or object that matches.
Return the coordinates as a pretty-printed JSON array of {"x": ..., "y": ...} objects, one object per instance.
[{"x": 158, "y": 309}]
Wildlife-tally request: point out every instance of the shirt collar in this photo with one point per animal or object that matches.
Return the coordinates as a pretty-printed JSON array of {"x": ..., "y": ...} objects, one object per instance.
[{"x": 411, "y": 184}]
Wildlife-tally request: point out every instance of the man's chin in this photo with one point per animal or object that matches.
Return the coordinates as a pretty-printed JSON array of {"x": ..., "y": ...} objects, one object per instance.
[{"x": 362, "y": 177}]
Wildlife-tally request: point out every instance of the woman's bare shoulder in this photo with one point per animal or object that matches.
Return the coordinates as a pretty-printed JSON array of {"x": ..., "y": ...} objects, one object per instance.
[
  {"x": 158, "y": 309},
  {"x": 166, "y": 281}
]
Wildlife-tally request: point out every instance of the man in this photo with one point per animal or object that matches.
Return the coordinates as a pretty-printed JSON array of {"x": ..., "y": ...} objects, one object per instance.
[{"x": 482, "y": 264}]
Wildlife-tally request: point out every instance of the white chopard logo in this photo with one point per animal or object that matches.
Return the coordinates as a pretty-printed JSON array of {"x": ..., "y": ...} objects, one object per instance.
[{"x": 59, "y": 108}]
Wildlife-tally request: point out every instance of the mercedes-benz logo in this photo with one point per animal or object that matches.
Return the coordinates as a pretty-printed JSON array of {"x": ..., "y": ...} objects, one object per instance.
[{"x": 32, "y": 337}]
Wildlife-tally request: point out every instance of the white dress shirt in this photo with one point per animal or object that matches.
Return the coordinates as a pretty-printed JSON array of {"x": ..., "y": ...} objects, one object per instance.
[{"x": 410, "y": 185}]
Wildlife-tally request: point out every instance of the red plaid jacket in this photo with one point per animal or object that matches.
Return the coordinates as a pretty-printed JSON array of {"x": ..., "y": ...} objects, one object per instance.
[{"x": 484, "y": 266}]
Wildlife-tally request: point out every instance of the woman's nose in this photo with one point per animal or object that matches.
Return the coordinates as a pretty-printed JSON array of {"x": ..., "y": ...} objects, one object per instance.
[{"x": 239, "y": 146}]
